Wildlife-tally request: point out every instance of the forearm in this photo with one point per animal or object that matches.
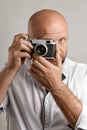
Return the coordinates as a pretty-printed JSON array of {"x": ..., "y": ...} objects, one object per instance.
[
  {"x": 6, "y": 76},
  {"x": 49, "y": 76},
  {"x": 68, "y": 103}
]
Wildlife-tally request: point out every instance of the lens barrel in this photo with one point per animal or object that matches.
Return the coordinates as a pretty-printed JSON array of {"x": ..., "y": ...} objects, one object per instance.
[{"x": 41, "y": 49}]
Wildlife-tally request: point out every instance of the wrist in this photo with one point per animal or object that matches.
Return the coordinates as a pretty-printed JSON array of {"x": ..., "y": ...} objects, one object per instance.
[
  {"x": 57, "y": 88},
  {"x": 12, "y": 68},
  {"x": 11, "y": 71}
]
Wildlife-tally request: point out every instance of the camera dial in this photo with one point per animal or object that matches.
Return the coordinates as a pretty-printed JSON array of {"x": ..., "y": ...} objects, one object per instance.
[{"x": 41, "y": 49}]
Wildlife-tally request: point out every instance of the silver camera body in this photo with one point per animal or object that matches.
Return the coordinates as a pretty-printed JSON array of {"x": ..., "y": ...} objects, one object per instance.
[{"x": 45, "y": 48}]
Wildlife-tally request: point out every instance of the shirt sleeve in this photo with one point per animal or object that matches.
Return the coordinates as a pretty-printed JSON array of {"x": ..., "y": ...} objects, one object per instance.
[
  {"x": 4, "y": 105},
  {"x": 82, "y": 120}
]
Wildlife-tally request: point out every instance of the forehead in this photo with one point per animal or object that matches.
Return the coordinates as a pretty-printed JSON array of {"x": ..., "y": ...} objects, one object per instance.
[{"x": 53, "y": 33}]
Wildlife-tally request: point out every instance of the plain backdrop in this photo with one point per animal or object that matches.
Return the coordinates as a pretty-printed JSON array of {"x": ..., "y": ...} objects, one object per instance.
[{"x": 14, "y": 15}]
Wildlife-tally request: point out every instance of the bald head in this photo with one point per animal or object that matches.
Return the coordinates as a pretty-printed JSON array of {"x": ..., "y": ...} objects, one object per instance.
[
  {"x": 50, "y": 24},
  {"x": 46, "y": 20},
  {"x": 45, "y": 13}
]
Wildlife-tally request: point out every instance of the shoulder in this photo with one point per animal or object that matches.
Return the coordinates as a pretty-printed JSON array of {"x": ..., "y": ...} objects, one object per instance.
[
  {"x": 72, "y": 63},
  {"x": 73, "y": 67}
]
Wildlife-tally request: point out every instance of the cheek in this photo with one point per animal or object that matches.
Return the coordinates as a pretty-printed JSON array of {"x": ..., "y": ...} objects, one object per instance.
[{"x": 63, "y": 52}]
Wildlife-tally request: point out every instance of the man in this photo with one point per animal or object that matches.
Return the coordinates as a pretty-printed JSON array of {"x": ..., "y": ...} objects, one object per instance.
[{"x": 43, "y": 94}]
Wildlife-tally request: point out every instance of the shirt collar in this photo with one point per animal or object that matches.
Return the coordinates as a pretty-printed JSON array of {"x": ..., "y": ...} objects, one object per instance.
[
  {"x": 63, "y": 76},
  {"x": 65, "y": 71}
]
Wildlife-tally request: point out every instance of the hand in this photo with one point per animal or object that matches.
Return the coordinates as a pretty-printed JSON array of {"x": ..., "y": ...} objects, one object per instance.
[
  {"x": 18, "y": 51},
  {"x": 48, "y": 74}
]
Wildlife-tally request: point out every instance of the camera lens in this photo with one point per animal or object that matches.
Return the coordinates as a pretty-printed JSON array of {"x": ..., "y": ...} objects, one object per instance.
[{"x": 41, "y": 49}]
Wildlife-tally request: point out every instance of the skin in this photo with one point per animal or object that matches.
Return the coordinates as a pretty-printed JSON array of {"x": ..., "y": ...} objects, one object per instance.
[{"x": 44, "y": 24}]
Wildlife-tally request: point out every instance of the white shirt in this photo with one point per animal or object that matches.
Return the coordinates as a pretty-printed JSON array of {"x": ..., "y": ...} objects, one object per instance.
[{"x": 30, "y": 107}]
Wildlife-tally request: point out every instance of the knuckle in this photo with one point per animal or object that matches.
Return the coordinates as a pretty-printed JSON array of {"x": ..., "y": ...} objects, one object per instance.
[
  {"x": 15, "y": 54},
  {"x": 18, "y": 35},
  {"x": 25, "y": 54},
  {"x": 21, "y": 45},
  {"x": 9, "y": 49},
  {"x": 20, "y": 42},
  {"x": 15, "y": 38},
  {"x": 22, "y": 35}
]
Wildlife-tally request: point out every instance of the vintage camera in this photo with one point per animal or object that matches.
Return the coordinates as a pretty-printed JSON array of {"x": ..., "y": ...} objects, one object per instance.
[{"x": 45, "y": 48}]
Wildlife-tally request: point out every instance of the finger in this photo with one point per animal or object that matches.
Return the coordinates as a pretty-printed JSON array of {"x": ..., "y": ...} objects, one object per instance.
[
  {"x": 57, "y": 56},
  {"x": 25, "y": 49},
  {"x": 28, "y": 35},
  {"x": 38, "y": 65},
  {"x": 27, "y": 43},
  {"x": 38, "y": 75},
  {"x": 42, "y": 60},
  {"x": 33, "y": 73},
  {"x": 25, "y": 55},
  {"x": 34, "y": 70},
  {"x": 20, "y": 36},
  {"x": 20, "y": 45}
]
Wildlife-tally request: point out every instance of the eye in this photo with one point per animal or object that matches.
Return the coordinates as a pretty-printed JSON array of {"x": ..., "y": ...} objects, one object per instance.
[{"x": 61, "y": 40}]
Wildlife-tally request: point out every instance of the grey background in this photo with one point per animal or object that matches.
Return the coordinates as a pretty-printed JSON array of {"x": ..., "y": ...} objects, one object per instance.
[{"x": 14, "y": 15}]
